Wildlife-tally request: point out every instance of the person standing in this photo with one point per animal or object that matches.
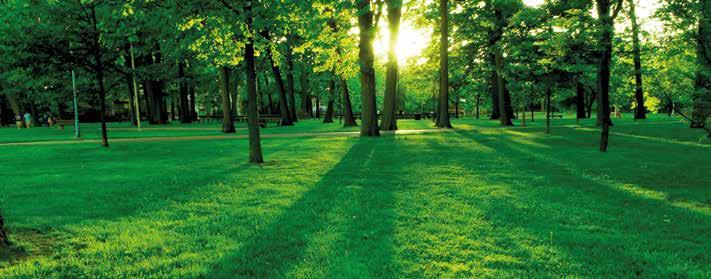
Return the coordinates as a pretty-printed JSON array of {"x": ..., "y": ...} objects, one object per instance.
[{"x": 28, "y": 119}]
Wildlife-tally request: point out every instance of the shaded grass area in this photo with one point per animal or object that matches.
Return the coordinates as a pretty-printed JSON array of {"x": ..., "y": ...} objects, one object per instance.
[{"x": 484, "y": 203}]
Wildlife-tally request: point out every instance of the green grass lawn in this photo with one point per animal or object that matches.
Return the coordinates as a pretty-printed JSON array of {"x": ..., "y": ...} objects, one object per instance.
[{"x": 478, "y": 202}]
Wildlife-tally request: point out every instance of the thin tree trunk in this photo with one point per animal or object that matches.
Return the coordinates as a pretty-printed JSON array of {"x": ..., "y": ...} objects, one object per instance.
[
  {"x": 255, "y": 146},
  {"x": 100, "y": 78},
  {"x": 580, "y": 100},
  {"x": 185, "y": 113},
  {"x": 478, "y": 103},
  {"x": 389, "y": 121},
  {"x": 290, "y": 82},
  {"x": 548, "y": 109},
  {"x": 366, "y": 55},
  {"x": 328, "y": 118},
  {"x": 640, "y": 111},
  {"x": 227, "y": 126},
  {"x": 283, "y": 102},
  {"x": 443, "y": 113}
]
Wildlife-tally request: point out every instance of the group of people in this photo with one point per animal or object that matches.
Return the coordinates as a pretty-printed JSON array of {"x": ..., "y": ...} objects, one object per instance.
[{"x": 26, "y": 120}]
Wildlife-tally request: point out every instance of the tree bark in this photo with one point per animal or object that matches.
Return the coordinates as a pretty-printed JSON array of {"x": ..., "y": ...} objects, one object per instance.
[
  {"x": 443, "y": 113},
  {"x": 99, "y": 77},
  {"x": 607, "y": 33},
  {"x": 702, "y": 94},
  {"x": 389, "y": 121},
  {"x": 366, "y": 55},
  {"x": 227, "y": 126},
  {"x": 185, "y": 113},
  {"x": 4, "y": 240},
  {"x": 580, "y": 100},
  {"x": 255, "y": 146},
  {"x": 290, "y": 82},
  {"x": 640, "y": 111},
  {"x": 348, "y": 116}
]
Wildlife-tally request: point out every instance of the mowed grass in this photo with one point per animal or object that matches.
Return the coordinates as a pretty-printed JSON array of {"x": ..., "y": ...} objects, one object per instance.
[{"x": 478, "y": 202}]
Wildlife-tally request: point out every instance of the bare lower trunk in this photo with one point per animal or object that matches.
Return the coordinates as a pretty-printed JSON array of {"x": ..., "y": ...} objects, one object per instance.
[
  {"x": 255, "y": 145},
  {"x": 702, "y": 94},
  {"x": 640, "y": 111},
  {"x": 389, "y": 121},
  {"x": 283, "y": 102},
  {"x": 348, "y": 117},
  {"x": 607, "y": 25},
  {"x": 366, "y": 55},
  {"x": 328, "y": 118},
  {"x": 443, "y": 113}
]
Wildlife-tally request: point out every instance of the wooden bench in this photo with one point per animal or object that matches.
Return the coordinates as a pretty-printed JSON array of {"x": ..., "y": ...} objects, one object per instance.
[
  {"x": 264, "y": 121},
  {"x": 559, "y": 116}
]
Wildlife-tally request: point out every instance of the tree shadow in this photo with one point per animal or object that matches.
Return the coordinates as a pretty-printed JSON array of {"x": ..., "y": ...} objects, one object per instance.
[
  {"x": 341, "y": 227},
  {"x": 595, "y": 228}
]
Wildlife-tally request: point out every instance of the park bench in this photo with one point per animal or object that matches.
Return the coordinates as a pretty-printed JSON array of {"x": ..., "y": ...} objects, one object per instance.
[
  {"x": 559, "y": 116},
  {"x": 264, "y": 121}
]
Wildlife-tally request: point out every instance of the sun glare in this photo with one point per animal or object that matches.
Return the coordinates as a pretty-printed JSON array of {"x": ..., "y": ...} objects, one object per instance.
[{"x": 411, "y": 41}]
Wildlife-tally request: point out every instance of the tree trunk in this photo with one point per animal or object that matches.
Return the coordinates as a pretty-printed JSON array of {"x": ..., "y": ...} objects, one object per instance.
[
  {"x": 4, "y": 240},
  {"x": 607, "y": 33},
  {"x": 548, "y": 109},
  {"x": 369, "y": 114},
  {"x": 100, "y": 78},
  {"x": 185, "y": 113},
  {"x": 255, "y": 146},
  {"x": 389, "y": 121},
  {"x": 504, "y": 118},
  {"x": 443, "y": 113},
  {"x": 702, "y": 94},
  {"x": 286, "y": 119},
  {"x": 348, "y": 116},
  {"x": 234, "y": 97},
  {"x": 580, "y": 100},
  {"x": 192, "y": 103},
  {"x": 640, "y": 111},
  {"x": 494, "y": 92},
  {"x": 478, "y": 103},
  {"x": 290, "y": 82},
  {"x": 227, "y": 126},
  {"x": 131, "y": 108}
]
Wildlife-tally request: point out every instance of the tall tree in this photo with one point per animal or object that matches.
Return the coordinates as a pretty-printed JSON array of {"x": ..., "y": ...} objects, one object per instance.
[
  {"x": 389, "y": 121},
  {"x": 367, "y": 25},
  {"x": 255, "y": 145},
  {"x": 640, "y": 111},
  {"x": 443, "y": 112},
  {"x": 607, "y": 32},
  {"x": 284, "y": 110}
]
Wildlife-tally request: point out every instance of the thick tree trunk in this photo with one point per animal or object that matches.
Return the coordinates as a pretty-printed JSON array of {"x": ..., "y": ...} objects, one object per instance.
[
  {"x": 702, "y": 94},
  {"x": 255, "y": 145},
  {"x": 443, "y": 113},
  {"x": 328, "y": 118},
  {"x": 607, "y": 33},
  {"x": 185, "y": 113},
  {"x": 494, "y": 92},
  {"x": 389, "y": 121},
  {"x": 227, "y": 126},
  {"x": 640, "y": 111},
  {"x": 504, "y": 118},
  {"x": 192, "y": 103},
  {"x": 366, "y": 55},
  {"x": 234, "y": 97}
]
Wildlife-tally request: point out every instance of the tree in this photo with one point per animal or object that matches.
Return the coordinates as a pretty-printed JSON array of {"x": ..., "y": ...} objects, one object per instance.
[
  {"x": 640, "y": 110},
  {"x": 389, "y": 121},
  {"x": 255, "y": 145},
  {"x": 4, "y": 240},
  {"x": 443, "y": 112},
  {"x": 367, "y": 25},
  {"x": 606, "y": 25}
]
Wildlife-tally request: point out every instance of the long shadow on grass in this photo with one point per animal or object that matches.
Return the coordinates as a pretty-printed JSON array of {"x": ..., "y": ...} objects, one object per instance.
[
  {"x": 342, "y": 227},
  {"x": 598, "y": 229}
]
